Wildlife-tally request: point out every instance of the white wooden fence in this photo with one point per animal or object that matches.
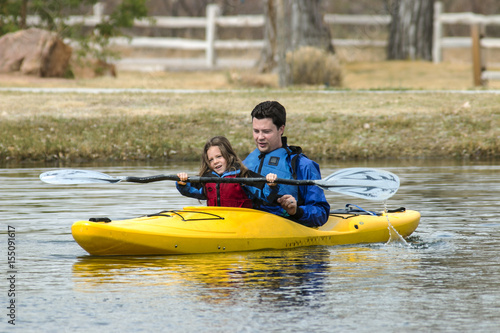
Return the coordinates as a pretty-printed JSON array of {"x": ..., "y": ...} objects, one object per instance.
[
  {"x": 470, "y": 19},
  {"x": 476, "y": 41},
  {"x": 213, "y": 20}
]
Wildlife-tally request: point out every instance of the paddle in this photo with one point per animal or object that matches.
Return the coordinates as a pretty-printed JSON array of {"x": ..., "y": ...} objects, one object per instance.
[{"x": 365, "y": 183}]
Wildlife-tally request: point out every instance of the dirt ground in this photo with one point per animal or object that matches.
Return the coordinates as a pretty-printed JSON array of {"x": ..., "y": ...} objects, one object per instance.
[{"x": 356, "y": 75}]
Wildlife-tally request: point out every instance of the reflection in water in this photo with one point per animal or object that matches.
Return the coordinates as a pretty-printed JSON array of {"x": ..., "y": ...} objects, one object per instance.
[
  {"x": 273, "y": 278},
  {"x": 290, "y": 276},
  {"x": 444, "y": 279}
]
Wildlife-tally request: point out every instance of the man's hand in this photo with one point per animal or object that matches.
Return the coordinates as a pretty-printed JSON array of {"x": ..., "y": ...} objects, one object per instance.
[{"x": 288, "y": 203}]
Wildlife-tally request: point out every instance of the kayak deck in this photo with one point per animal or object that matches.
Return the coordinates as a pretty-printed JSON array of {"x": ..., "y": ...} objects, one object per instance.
[{"x": 226, "y": 229}]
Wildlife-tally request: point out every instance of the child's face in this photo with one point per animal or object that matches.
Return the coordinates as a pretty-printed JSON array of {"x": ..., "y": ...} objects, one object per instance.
[{"x": 216, "y": 161}]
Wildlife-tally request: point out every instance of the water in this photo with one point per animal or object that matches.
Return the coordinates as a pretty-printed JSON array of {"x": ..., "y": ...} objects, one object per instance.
[{"x": 446, "y": 279}]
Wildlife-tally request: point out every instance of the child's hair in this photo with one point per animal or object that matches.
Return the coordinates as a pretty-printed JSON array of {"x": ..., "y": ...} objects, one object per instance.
[{"x": 227, "y": 151}]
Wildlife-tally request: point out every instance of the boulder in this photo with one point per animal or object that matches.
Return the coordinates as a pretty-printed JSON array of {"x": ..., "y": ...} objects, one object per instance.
[{"x": 34, "y": 52}]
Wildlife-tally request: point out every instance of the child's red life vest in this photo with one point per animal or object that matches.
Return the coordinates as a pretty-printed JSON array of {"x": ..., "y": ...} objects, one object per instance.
[{"x": 227, "y": 195}]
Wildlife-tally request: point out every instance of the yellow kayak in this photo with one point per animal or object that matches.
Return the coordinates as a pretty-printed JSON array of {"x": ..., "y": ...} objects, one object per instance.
[{"x": 226, "y": 229}]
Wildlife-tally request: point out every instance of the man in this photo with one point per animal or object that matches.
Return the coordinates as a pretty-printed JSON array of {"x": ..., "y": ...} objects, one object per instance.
[{"x": 306, "y": 205}]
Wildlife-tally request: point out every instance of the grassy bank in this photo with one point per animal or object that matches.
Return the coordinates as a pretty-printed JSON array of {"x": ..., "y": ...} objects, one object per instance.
[{"x": 172, "y": 126}]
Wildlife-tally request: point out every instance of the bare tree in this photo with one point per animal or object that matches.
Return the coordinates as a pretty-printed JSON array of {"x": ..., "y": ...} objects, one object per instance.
[
  {"x": 411, "y": 27},
  {"x": 290, "y": 24},
  {"x": 267, "y": 59},
  {"x": 308, "y": 28}
]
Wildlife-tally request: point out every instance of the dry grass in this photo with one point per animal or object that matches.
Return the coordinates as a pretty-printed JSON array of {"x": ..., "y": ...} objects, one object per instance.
[
  {"x": 346, "y": 124},
  {"x": 311, "y": 65},
  {"x": 356, "y": 75},
  {"x": 411, "y": 75}
]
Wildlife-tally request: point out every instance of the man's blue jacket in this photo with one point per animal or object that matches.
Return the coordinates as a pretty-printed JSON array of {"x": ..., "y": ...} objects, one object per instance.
[{"x": 288, "y": 162}]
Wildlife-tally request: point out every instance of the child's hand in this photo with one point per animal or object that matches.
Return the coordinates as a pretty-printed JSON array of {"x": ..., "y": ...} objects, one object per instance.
[
  {"x": 183, "y": 177},
  {"x": 271, "y": 177}
]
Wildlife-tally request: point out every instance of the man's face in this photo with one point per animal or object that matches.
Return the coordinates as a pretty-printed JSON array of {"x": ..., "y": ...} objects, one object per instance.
[{"x": 266, "y": 135}]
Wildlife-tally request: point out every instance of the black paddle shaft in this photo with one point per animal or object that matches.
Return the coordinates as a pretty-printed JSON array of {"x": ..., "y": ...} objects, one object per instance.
[{"x": 248, "y": 181}]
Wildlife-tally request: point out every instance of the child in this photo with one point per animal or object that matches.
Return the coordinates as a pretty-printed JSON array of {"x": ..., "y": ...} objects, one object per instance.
[{"x": 220, "y": 160}]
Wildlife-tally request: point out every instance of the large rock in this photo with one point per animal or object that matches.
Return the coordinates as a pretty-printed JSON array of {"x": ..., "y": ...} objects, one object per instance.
[{"x": 34, "y": 52}]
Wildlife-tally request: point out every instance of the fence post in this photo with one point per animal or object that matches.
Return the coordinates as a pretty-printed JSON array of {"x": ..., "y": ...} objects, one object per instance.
[
  {"x": 211, "y": 34},
  {"x": 438, "y": 33},
  {"x": 477, "y": 60},
  {"x": 98, "y": 10}
]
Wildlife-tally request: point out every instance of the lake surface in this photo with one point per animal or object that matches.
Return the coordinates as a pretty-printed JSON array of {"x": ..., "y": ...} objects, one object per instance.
[{"x": 445, "y": 279}]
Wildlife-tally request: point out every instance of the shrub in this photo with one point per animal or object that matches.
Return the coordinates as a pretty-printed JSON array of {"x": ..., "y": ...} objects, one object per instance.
[{"x": 310, "y": 65}]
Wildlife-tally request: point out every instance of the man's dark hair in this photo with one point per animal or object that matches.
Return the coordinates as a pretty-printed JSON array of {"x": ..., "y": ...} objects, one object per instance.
[{"x": 270, "y": 109}]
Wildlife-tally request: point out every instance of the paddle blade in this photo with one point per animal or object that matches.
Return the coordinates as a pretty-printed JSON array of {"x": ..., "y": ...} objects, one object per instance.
[
  {"x": 67, "y": 176},
  {"x": 365, "y": 183}
]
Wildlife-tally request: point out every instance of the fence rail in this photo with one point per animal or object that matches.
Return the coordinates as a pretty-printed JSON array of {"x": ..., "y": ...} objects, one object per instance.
[
  {"x": 213, "y": 20},
  {"x": 440, "y": 19}
]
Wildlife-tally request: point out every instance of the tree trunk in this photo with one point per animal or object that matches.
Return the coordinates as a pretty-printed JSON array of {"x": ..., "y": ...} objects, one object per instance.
[
  {"x": 290, "y": 24},
  {"x": 308, "y": 28},
  {"x": 23, "y": 14},
  {"x": 267, "y": 59},
  {"x": 283, "y": 45},
  {"x": 411, "y": 29}
]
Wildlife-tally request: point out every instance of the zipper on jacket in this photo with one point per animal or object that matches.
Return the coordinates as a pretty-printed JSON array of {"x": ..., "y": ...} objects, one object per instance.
[
  {"x": 217, "y": 190},
  {"x": 262, "y": 156}
]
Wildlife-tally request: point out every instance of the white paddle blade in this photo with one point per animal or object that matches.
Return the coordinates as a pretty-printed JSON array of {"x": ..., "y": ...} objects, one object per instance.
[
  {"x": 67, "y": 176},
  {"x": 365, "y": 183}
]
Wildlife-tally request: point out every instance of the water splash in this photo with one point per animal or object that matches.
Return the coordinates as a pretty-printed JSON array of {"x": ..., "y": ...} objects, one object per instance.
[{"x": 394, "y": 236}]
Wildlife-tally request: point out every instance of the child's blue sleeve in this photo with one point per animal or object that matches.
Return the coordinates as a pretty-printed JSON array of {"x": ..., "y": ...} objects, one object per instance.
[{"x": 190, "y": 191}]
